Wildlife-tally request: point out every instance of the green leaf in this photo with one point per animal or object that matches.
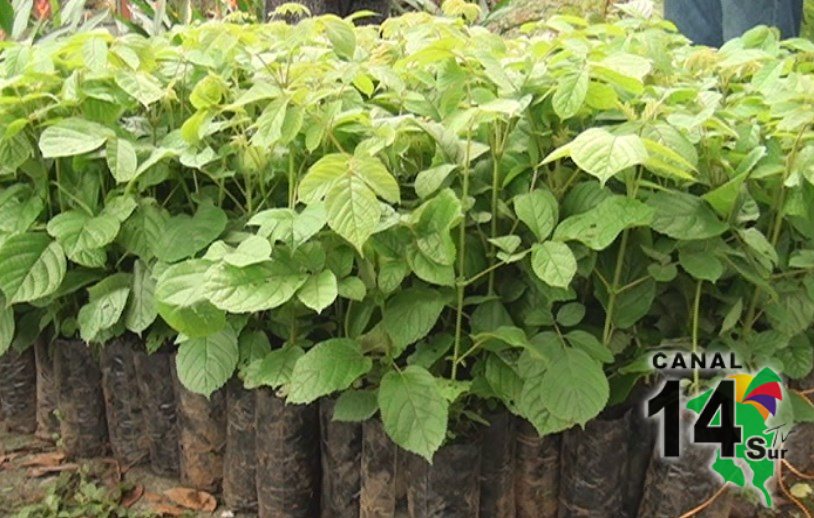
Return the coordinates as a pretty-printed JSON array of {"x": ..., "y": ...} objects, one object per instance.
[
  {"x": 701, "y": 265},
  {"x": 257, "y": 287},
  {"x": 108, "y": 299},
  {"x": 352, "y": 288},
  {"x": 327, "y": 367},
  {"x": 574, "y": 387},
  {"x": 141, "y": 311},
  {"x": 603, "y": 154},
  {"x": 83, "y": 237},
  {"x": 411, "y": 314},
  {"x": 252, "y": 250},
  {"x": 341, "y": 34},
  {"x": 355, "y": 406},
  {"x": 184, "y": 235},
  {"x": 413, "y": 410},
  {"x": 141, "y": 86},
  {"x": 6, "y": 327},
  {"x": 94, "y": 52},
  {"x": 598, "y": 227},
  {"x": 570, "y": 94},
  {"x": 31, "y": 267},
  {"x": 207, "y": 93},
  {"x": 430, "y": 180},
  {"x": 253, "y": 345},
  {"x": 684, "y": 216},
  {"x": 553, "y": 263},
  {"x": 319, "y": 291},
  {"x": 181, "y": 300},
  {"x": 274, "y": 370},
  {"x": 802, "y": 407},
  {"x": 72, "y": 136},
  {"x": 141, "y": 233},
  {"x": 205, "y": 364},
  {"x": 353, "y": 210},
  {"x": 590, "y": 345},
  {"x": 121, "y": 159},
  {"x": 538, "y": 210}
]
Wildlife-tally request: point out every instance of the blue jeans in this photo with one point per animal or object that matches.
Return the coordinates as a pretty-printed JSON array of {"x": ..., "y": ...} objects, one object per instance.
[{"x": 712, "y": 22}]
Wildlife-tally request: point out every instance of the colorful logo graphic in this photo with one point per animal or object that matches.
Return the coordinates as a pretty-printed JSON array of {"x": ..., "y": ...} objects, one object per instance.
[{"x": 741, "y": 415}]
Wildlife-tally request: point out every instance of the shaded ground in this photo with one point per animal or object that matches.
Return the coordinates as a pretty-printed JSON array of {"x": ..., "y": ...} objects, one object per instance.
[{"x": 35, "y": 481}]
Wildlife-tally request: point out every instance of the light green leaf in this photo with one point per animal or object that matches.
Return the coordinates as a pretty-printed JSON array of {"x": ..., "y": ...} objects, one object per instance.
[
  {"x": 274, "y": 370},
  {"x": 72, "y": 136},
  {"x": 553, "y": 263},
  {"x": 684, "y": 216},
  {"x": 341, "y": 34},
  {"x": 141, "y": 311},
  {"x": 414, "y": 412},
  {"x": 603, "y": 154},
  {"x": 430, "y": 180},
  {"x": 598, "y": 227},
  {"x": 205, "y": 364},
  {"x": 185, "y": 235},
  {"x": 257, "y": 287},
  {"x": 353, "y": 210},
  {"x": 6, "y": 327},
  {"x": 327, "y": 367},
  {"x": 121, "y": 159},
  {"x": 181, "y": 300},
  {"x": 539, "y": 211},
  {"x": 411, "y": 314},
  {"x": 31, "y": 267},
  {"x": 252, "y": 250},
  {"x": 253, "y": 345},
  {"x": 139, "y": 85},
  {"x": 319, "y": 291},
  {"x": 108, "y": 299},
  {"x": 352, "y": 288},
  {"x": 355, "y": 406},
  {"x": 94, "y": 52},
  {"x": 574, "y": 387},
  {"x": 570, "y": 94}
]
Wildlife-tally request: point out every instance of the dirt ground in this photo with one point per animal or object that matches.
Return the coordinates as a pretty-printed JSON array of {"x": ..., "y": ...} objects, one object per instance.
[{"x": 35, "y": 481}]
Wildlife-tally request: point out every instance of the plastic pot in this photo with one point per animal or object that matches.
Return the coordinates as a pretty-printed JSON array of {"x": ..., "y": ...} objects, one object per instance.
[
  {"x": 379, "y": 471},
  {"x": 341, "y": 452},
  {"x": 202, "y": 434},
  {"x": 288, "y": 463},
  {"x": 447, "y": 488},
  {"x": 240, "y": 459},
  {"x": 47, "y": 422},
  {"x": 497, "y": 466},
  {"x": 18, "y": 390},
  {"x": 156, "y": 382},
  {"x": 594, "y": 460},
  {"x": 537, "y": 473},
  {"x": 123, "y": 402},
  {"x": 80, "y": 402}
]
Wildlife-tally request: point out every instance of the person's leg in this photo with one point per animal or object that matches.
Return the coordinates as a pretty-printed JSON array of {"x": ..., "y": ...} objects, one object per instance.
[
  {"x": 740, "y": 16},
  {"x": 699, "y": 20}
]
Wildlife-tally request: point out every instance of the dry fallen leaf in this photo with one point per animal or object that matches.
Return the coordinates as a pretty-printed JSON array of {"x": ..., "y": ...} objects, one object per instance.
[
  {"x": 192, "y": 499},
  {"x": 42, "y": 471},
  {"x": 132, "y": 496},
  {"x": 48, "y": 459},
  {"x": 167, "y": 510},
  {"x": 801, "y": 490}
]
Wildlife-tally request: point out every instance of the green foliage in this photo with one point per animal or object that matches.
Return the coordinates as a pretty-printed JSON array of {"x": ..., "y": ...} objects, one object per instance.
[{"x": 417, "y": 219}]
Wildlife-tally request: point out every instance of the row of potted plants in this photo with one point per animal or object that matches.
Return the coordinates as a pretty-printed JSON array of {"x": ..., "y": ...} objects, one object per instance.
[{"x": 423, "y": 220}]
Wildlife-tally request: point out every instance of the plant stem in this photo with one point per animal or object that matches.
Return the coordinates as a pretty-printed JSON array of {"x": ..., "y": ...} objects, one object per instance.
[
  {"x": 496, "y": 153},
  {"x": 460, "y": 284},
  {"x": 696, "y": 310},
  {"x": 614, "y": 288}
]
